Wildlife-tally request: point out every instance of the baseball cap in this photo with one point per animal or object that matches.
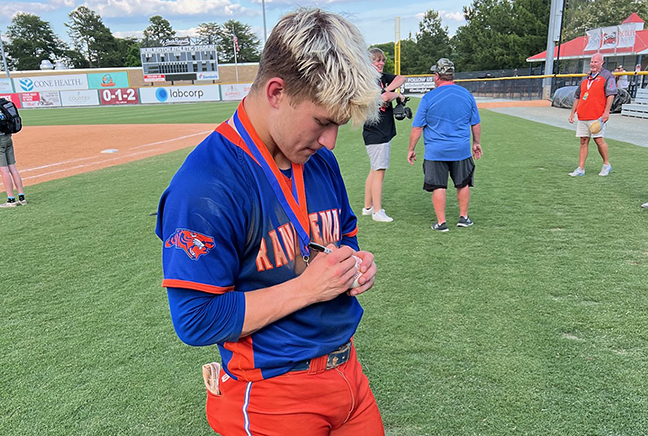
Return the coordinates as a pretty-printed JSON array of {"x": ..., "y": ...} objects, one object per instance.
[{"x": 443, "y": 66}]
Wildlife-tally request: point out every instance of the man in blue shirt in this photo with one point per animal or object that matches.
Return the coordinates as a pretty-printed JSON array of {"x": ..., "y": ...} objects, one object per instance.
[{"x": 447, "y": 116}]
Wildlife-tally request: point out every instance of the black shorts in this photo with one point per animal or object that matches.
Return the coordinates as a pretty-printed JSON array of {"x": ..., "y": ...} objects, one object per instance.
[{"x": 436, "y": 173}]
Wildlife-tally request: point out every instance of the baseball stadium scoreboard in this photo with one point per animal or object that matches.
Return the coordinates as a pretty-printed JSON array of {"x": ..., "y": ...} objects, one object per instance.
[{"x": 192, "y": 62}]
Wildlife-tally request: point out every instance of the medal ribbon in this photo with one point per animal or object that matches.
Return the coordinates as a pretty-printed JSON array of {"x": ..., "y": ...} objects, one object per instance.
[
  {"x": 590, "y": 80},
  {"x": 292, "y": 198}
]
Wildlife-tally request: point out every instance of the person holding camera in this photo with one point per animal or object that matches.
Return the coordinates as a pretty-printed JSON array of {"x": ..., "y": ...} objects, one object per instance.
[
  {"x": 447, "y": 116},
  {"x": 377, "y": 137}
]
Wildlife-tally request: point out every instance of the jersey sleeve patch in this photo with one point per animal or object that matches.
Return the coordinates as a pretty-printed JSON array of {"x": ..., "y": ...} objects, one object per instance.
[{"x": 193, "y": 243}]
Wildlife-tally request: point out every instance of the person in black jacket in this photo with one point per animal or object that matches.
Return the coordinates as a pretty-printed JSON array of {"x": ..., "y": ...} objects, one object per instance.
[{"x": 377, "y": 137}]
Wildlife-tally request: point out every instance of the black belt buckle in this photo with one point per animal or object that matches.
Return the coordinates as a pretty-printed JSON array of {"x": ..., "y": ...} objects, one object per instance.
[{"x": 339, "y": 356}]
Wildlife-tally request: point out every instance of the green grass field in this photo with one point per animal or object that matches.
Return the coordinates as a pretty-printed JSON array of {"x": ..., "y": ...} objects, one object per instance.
[{"x": 531, "y": 322}]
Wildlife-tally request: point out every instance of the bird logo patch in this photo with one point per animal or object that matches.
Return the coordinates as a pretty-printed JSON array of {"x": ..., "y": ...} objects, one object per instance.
[{"x": 193, "y": 243}]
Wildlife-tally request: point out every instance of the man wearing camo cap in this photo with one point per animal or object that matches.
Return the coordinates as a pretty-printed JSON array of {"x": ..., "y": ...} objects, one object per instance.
[{"x": 447, "y": 117}]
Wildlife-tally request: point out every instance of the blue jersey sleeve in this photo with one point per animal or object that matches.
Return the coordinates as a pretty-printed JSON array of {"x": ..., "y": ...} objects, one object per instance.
[
  {"x": 202, "y": 220},
  {"x": 203, "y": 319}
]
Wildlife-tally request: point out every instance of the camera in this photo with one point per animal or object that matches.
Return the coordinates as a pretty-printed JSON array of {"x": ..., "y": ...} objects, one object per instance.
[{"x": 401, "y": 111}]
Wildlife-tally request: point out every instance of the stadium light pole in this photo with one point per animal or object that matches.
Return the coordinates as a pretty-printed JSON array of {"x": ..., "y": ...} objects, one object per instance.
[
  {"x": 553, "y": 36},
  {"x": 4, "y": 58},
  {"x": 4, "y": 61},
  {"x": 265, "y": 34}
]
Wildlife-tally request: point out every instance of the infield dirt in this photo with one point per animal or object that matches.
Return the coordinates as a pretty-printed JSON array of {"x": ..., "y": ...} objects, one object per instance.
[{"x": 46, "y": 153}]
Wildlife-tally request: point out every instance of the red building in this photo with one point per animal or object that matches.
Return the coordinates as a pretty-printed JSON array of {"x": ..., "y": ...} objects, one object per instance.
[{"x": 614, "y": 43}]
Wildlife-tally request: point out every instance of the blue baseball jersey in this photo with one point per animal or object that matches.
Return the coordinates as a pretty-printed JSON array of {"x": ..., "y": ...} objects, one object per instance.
[
  {"x": 447, "y": 113},
  {"x": 224, "y": 230}
]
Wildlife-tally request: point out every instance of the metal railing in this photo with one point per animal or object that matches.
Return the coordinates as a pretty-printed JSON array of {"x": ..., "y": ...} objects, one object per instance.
[{"x": 530, "y": 87}]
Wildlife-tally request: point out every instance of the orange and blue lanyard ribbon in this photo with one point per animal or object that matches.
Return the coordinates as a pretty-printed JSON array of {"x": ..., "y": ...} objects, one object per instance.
[{"x": 292, "y": 198}]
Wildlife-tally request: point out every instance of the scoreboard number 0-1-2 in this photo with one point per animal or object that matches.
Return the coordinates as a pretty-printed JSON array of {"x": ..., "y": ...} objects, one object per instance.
[{"x": 119, "y": 94}]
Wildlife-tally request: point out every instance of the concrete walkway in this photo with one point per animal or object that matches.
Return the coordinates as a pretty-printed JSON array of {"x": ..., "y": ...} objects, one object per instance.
[{"x": 621, "y": 128}]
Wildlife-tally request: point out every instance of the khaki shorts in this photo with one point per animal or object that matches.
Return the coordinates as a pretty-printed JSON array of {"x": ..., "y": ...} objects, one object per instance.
[
  {"x": 379, "y": 155},
  {"x": 582, "y": 129},
  {"x": 7, "y": 156}
]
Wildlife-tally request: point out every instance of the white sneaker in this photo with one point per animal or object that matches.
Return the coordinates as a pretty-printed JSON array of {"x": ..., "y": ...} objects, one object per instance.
[
  {"x": 605, "y": 170},
  {"x": 367, "y": 210},
  {"x": 7, "y": 204},
  {"x": 577, "y": 172},
  {"x": 645, "y": 205},
  {"x": 381, "y": 216}
]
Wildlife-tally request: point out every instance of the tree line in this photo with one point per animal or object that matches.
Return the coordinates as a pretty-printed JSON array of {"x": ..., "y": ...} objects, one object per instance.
[
  {"x": 93, "y": 45},
  {"x": 502, "y": 34},
  {"x": 498, "y": 34}
]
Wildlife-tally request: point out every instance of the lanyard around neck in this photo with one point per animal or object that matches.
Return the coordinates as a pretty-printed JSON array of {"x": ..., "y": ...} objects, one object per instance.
[{"x": 292, "y": 197}]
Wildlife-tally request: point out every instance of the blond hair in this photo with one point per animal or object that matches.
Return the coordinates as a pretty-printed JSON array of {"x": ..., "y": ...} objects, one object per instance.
[
  {"x": 376, "y": 54},
  {"x": 322, "y": 57}
]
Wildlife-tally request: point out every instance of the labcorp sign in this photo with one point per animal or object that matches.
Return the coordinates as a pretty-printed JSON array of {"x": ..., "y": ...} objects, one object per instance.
[
  {"x": 51, "y": 83},
  {"x": 177, "y": 94}
]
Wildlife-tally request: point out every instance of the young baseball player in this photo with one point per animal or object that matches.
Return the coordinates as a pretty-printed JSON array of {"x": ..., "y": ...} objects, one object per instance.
[{"x": 238, "y": 223}]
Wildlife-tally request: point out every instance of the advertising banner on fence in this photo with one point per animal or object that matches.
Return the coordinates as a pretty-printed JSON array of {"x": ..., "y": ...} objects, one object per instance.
[
  {"x": 14, "y": 98},
  {"x": 5, "y": 85},
  {"x": 108, "y": 80},
  {"x": 119, "y": 96},
  {"x": 177, "y": 94},
  {"x": 40, "y": 99},
  {"x": 86, "y": 97},
  {"x": 235, "y": 91},
  {"x": 418, "y": 85},
  {"x": 51, "y": 83}
]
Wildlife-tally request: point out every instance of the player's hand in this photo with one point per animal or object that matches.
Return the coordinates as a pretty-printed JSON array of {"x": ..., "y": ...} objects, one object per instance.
[
  {"x": 477, "y": 150},
  {"x": 571, "y": 119},
  {"x": 605, "y": 117},
  {"x": 411, "y": 157},
  {"x": 329, "y": 274},
  {"x": 368, "y": 270}
]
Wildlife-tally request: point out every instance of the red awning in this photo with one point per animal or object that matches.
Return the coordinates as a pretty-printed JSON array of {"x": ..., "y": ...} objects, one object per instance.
[{"x": 575, "y": 49}]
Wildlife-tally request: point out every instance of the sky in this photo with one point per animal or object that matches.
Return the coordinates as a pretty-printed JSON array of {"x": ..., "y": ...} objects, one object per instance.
[{"x": 374, "y": 18}]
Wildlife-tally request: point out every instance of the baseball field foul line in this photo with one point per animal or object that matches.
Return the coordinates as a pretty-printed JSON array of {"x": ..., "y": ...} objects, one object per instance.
[{"x": 94, "y": 160}]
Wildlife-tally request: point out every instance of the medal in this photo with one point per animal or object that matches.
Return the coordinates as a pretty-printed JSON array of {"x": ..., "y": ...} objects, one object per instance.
[
  {"x": 291, "y": 196},
  {"x": 585, "y": 95}
]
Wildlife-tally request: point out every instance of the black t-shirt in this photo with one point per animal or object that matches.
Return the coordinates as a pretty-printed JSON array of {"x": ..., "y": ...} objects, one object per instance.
[{"x": 385, "y": 129}]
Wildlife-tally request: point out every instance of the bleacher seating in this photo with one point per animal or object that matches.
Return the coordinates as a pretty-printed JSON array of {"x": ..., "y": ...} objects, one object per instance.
[{"x": 639, "y": 108}]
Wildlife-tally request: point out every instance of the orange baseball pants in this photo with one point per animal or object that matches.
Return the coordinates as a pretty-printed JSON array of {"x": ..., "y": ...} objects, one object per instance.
[{"x": 316, "y": 402}]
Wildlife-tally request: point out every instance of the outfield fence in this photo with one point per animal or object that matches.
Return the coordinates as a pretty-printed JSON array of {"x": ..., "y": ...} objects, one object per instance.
[{"x": 530, "y": 87}]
